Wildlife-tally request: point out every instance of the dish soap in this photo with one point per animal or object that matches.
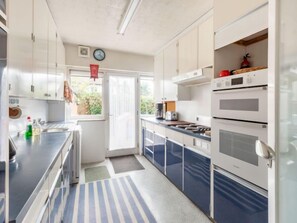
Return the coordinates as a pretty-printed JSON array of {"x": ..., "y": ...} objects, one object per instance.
[
  {"x": 36, "y": 128},
  {"x": 28, "y": 133}
]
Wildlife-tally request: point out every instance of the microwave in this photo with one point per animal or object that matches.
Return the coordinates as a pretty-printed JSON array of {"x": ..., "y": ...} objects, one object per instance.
[{"x": 233, "y": 149}]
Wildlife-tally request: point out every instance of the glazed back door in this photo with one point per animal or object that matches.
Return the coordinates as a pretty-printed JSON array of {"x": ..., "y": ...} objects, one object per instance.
[
  {"x": 282, "y": 107},
  {"x": 122, "y": 113}
]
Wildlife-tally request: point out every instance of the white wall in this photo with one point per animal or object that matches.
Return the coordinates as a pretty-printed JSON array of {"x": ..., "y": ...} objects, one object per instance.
[
  {"x": 33, "y": 108},
  {"x": 93, "y": 141},
  {"x": 113, "y": 60},
  {"x": 94, "y": 133},
  {"x": 199, "y": 106}
]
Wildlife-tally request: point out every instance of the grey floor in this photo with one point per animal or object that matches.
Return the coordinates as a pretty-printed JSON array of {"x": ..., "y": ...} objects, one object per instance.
[{"x": 165, "y": 201}]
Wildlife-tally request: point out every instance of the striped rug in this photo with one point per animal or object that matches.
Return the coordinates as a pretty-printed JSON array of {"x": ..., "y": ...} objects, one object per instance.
[
  {"x": 2, "y": 210},
  {"x": 114, "y": 200}
]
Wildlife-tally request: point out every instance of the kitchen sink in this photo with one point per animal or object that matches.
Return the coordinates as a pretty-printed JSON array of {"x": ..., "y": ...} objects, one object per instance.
[{"x": 55, "y": 130}]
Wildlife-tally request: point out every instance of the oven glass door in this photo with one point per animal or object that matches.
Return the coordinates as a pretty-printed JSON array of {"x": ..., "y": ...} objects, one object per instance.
[
  {"x": 233, "y": 149},
  {"x": 248, "y": 104}
]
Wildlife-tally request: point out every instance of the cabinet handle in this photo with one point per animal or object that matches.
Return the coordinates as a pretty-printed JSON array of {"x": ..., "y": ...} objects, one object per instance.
[
  {"x": 9, "y": 87},
  {"x": 32, "y": 88}
]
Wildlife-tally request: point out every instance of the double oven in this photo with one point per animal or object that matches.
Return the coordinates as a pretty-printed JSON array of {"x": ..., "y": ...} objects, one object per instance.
[{"x": 239, "y": 111}]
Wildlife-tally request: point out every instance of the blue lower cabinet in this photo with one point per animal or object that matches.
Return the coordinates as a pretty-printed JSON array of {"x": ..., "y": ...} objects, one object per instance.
[
  {"x": 159, "y": 152},
  {"x": 235, "y": 203},
  {"x": 142, "y": 139},
  {"x": 197, "y": 179},
  {"x": 148, "y": 145},
  {"x": 174, "y": 159}
]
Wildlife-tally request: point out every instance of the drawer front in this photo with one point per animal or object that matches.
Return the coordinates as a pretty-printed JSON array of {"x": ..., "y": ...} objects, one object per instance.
[
  {"x": 54, "y": 171},
  {"x": 38, "y": 204},
  {"x": 174, "y": 160},
  {"x": 174, "y": 135},
  {"x": 149, "y": 126},
  {"x": 56, "y": 205},
  {"x": 160, "y": 130},
  {"x": 200, "y": 145},
  {"x": 235, "y": 203},
  {"x": 66, "y": 148},
  {"x": 197, "y": 179},
  {"x": 159, "y": 153},
  {"x": 149, "y": 154}
]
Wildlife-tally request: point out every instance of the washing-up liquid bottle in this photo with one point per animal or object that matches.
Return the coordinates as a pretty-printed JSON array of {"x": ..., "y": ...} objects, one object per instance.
[
  {"x": 28, "y": 133},
  {"x": 36, "y": 128}
]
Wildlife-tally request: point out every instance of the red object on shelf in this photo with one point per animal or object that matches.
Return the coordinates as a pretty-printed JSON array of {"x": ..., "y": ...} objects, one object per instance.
[
  {"x": 224, "y": 73},
  {"x": 94, "y": 68}
]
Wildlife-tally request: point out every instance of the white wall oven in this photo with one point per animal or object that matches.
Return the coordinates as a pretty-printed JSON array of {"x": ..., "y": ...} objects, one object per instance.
[
  {"x": 239, "y": 110},
  {"x": 241, "y": 97},
  {"x": 233, "y": 149}
]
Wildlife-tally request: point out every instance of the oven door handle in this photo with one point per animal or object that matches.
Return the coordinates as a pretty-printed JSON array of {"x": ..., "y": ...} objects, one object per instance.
[
  {"x": 248, "y": 89},
  {"x": 264, "y": 151}
]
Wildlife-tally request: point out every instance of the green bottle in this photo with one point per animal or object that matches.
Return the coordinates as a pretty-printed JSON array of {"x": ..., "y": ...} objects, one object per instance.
[{"x": 28, "y": 133}]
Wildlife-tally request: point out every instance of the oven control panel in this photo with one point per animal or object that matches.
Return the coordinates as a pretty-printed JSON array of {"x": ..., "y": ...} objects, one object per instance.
[{"x": 250, "y": 79}]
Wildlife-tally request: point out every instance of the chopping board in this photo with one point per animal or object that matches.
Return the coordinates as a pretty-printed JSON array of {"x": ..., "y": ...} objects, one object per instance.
[{"x": 170, "y": 123}]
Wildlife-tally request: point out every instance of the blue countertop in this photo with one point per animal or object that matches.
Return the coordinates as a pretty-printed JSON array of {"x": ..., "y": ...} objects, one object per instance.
[
  {"x": 34, "y": 159},
  {"x": 187, "y": 132}
]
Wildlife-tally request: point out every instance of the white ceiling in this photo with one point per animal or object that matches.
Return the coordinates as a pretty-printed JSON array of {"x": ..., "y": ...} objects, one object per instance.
[{"x": 95, "y": 22}]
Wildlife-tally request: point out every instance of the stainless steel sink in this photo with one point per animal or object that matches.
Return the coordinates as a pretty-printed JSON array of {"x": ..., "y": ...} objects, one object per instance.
[{"x": 55, "y": 130}]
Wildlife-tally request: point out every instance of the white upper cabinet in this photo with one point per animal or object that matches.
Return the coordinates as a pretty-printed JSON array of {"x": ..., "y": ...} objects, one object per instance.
[
  {"x": 206, "y": 44},
  {"x": 228, "y": 11},
  {"x": 188, "y": 51},
  {"x": 165, "y": 69},
  {"x": 33, "y": 52},
  {"x": 172, "y": 92},
  {"x": 60, "y": 69},
  {"x": 20, "y": 47},
  {"x": 40, "y": 49},
  {"x": 170, "y": 70},
  {"x": 159, "y": 75},
  {"x": 52, "y": 58}
]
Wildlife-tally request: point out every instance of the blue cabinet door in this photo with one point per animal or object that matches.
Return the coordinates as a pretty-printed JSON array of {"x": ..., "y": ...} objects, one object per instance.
[
  {"x": 235, "y": 203},
  {"x": 149, "y": 145},
  {"x": 197, "y": 179},
  {"x": 159, "y": 152},
  {"x": 142, "y": 139},
  {"x": 174, "y": 159}
]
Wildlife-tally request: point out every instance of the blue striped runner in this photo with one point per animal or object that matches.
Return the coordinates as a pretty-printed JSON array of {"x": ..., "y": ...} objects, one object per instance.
[
  {"x": 2, "y": 209},
  {"x": 114, "y": 200}
]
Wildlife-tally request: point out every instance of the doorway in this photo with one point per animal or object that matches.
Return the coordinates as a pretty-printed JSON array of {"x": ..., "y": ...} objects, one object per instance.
[{"x": 123, "y": 109}]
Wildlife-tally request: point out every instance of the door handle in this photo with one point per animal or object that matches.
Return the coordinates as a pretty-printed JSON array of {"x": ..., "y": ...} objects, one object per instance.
[{"x": 264, "y": 151}]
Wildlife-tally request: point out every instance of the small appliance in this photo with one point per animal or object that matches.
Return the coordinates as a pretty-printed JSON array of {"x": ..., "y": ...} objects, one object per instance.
[
  {"x": 171, "y": 116},
  {"x": 159, "y": 111}
]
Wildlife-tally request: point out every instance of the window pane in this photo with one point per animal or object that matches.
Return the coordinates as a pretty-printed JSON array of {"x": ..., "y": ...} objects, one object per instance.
[
  {"x": 147, "y": 106},
  {"x": 87, "y": 96}
]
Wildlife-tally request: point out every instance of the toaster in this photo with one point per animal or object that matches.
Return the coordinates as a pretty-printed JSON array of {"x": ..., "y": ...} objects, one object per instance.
[{"x": 171, "y": 116}]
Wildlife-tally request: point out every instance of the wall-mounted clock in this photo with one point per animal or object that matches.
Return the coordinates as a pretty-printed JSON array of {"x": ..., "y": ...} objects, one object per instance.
[{"x": 99, "y": 54}]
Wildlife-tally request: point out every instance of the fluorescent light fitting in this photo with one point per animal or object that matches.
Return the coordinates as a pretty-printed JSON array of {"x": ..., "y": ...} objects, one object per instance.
[{"x": 129, "y": 15}]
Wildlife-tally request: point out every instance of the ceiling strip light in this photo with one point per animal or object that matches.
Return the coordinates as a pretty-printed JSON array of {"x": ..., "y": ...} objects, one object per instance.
[{"x": 129, "y": 15}]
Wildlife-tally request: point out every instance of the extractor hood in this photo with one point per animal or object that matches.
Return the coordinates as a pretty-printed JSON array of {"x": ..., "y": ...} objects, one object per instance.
[{"x": 195, "y": 77}]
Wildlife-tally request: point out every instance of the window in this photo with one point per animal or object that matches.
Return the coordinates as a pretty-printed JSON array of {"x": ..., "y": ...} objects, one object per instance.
[
  {"x": 147, "y": 105},
  {"x": 88, "y": 95}
]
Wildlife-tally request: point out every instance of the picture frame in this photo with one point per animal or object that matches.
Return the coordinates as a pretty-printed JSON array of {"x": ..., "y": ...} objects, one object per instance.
[{"x": 84, "y": 51}]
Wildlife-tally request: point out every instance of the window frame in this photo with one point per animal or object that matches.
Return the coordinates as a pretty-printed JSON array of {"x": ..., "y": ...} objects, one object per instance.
[
  {"x": 153, "y": 79},
  {"x": 100, "y": 117}
]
